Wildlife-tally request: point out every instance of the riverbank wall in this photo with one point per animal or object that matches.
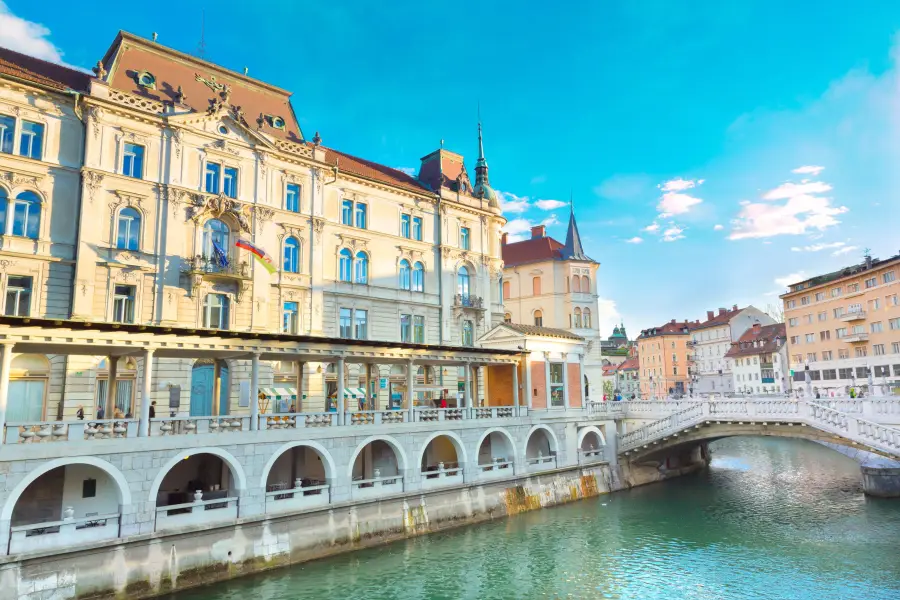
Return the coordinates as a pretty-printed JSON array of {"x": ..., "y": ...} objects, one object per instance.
[{"x": 145, "y": 566}]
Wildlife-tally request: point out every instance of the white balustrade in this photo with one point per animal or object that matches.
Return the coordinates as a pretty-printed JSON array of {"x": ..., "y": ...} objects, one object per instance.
[
  {"x": 377, "y": 486},
  {"x": 375, "y": 417},
  {"x": 441, "y": 475},
  {"x": 591, "y": 455},
  {"x": 440, "y": 414},
  {"x": 498, "y": 467},
  {"x": 196, "y": 513},
  {"x": 196, "y": 425},
  {"x": 541, "y": 462},
  {"x": 69, "y": 431},
  {"x": 68, "y": 532},
  {"x": 299, "y": 497}
]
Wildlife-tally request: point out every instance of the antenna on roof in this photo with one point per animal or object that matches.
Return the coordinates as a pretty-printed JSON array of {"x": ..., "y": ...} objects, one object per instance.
[
  {"x": 201, "y": 47},
  {"x": 155, "y": 35},
  {"x": 246, "y": 70}
]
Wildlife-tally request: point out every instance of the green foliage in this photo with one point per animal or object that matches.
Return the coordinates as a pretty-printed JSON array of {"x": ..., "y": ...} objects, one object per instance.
[{"x": 608, "y": 389}]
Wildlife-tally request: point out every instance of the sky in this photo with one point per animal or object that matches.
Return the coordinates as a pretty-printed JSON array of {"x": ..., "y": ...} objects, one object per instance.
[{"x": 715, "y": 151}]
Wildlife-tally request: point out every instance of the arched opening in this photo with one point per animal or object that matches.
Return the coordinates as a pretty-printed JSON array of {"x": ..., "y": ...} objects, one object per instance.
[
  {"x": 70, "y": 504},
  {"x": 576, "y": 284},
  {"x": 441, "y": 462},
  {"x": 28, "y": 386},
  {"x": 404, "y": 274},
  {"x": 128, "y": 229},
  {"x": 496, "y": 454},
  {"x": 199, "y": 488},
  {"x": 591, "y": 447},
  {"x": 345, "y": 265},
  {"x": 26, "y": 221},
  {"x": 540, "y": 449},
  {"x": 538, "y": 318},
  {"x": 376, "y": 470},
  {"x": 361, "y": 270},
  {"x": 291, "y": 261},
  {"x": 463, "y": 283},
  {"x": 122, "y": 391},
  {"x": 298, "y": 478},
  {"x": 215, "y": 245},
  {"x": 209, "y": 388},
  {"x": 418, "y": 277}
]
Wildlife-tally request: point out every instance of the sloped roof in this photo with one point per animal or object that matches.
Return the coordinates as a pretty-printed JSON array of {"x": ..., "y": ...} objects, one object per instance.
[
  {"x": 542, "y": 331},
  {"x": 670, "y": 328},
  {"x": 629, "y": 364},
  {"x": 572, "y": 249},
  {"x": 719, "y": 319},
  {"x": 530, "y": 250},
  {"x": 765, "y": 335},
  {"x": 21, "y": 66},
  {"x": 372, "y": 170}
]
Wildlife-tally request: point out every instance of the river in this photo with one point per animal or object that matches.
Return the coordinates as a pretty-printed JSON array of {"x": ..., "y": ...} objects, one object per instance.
[{"x": 771, "y": 518}]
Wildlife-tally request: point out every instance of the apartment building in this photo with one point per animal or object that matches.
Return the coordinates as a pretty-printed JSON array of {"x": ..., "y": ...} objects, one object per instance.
[
  {"x": 845, "y": 327},
  {"x": 758, "y": 361},
  {"x": 663, "y": 354}
]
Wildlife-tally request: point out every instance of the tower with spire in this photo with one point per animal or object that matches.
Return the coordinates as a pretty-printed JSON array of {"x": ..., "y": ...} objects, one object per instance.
[
  {"x": 572, "y": 249},
  {"x": 482, "y": 184}
]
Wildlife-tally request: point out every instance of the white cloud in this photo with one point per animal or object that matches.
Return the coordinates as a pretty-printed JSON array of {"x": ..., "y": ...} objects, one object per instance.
[
  {"x": 844, "y": 250},
  {"x": 634, "y": 240},
  {"x": 818, "y": 247},
  {"x": 27, "y": 37},
  {"x": 411, "y": 171},
  {"x": 718, "y": 227},
  {"x": 673, "y": 201},
  {"x": 673, "y": 233},
  {"x": 550, "y": 204},
  {"x": 608, "y": 315},
  {"x": 652, "y": 228},
  {"x": 517, "y": 228},
  {"x": 551, "y": 220},
  {"x": 510, "y": 203},
  {"x": 677, "y": 185},
  {"x": 793, "y": 190},
  {"x": 809, "y": 170},
  {"x": 787, "y": 280}
]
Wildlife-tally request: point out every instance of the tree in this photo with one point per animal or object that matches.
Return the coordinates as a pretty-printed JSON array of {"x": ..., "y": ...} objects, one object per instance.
[
  {"x": 608, "y": 389},
  {"x": 776, "y": 312}
]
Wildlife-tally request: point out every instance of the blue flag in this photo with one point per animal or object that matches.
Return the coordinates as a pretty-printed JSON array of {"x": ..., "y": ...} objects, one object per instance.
[{"x": 221, "y": 258}]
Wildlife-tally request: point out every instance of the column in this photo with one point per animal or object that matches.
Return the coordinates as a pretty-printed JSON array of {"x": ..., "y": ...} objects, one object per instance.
[
  {"x": 410, "y": 388},
  {"x": 217, "y": 389},
  {"x": 113, "y": 366},
  {"x": 301, "y": 367},
  {"x": 254, "y": 391},
  {"x": 340, "y": 390},
  {"x": 144, "y": 425},
  {"x": 581, "y": 385},
  {"x": 468, "y": 391},
  {"x": 368, "y": 400},
  {"x": 6, "y": 354},
  {"x": 565, "y": 378},
  {"x": 515, "y": 383},
  {"x": 547, "y": 380},
  {"x": 526, "y": 365}
]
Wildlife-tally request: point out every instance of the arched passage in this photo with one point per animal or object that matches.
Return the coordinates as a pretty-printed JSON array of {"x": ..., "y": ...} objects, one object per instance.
[
  {"x": 377, "y": 467},
  {"x": 66, "y": 501},
  {"x": 442, "y": 458},
  {"x": 496, "y": 452},
  {"x": 541, "y": 446},
  {"x": 590, "y": 444},
  {"x": 298, "y": 475}
]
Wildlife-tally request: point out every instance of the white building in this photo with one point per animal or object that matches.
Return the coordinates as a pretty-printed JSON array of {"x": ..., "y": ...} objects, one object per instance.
[
  {"x": 758, "y": 361},
  {"x": 712, "y": 339}
]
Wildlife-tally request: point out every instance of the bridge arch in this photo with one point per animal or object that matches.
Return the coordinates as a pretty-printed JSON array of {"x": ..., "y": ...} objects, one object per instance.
[
  {"x": 591, "y": 430},
  {"x": 238, "y": 478},
  {"x": 495, "y": 443},
  {"x": 328, "y": 467},
  {"x": 401, "y": 463},
  {"x": 455, "y": 440},
  {"x": 540, "y": 439}
]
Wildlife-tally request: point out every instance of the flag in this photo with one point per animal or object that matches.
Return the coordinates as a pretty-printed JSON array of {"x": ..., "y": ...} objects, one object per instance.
[
  {"x": 259, "y": 253},
  {"x": 220, "y": 257}
]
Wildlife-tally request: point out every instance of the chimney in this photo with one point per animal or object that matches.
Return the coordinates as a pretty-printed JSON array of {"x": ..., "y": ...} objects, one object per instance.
[
  {"x": 673, "y": 321},
  {"x": 709, "y": 315},
  {"x": 538, "y": 231},
  {"x": 734, "y": 307},
  {"x": 756, "y": 327},
  {"x": 722, "y": 311},
  {"x": 503, "y": 239}
]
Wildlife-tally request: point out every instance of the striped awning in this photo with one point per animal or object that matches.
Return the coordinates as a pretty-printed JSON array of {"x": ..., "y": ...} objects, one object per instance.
[
  {"x": 354, "y": 393},
  {"x": 280, "y": 393}
]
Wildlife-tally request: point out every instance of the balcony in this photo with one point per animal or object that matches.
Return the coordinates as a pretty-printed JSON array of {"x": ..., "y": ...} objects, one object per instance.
[
  {"x": 473, "y": 302},
  {"x": 199, "y": 267},
  {"x": 767, "y": 366},
  {"x": 856, "y": 337},
  {"x": 857, "y": 315}
]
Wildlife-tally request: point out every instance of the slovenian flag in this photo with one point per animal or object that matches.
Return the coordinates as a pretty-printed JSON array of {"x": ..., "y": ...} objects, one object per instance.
[{"x": 259, "y": 253}]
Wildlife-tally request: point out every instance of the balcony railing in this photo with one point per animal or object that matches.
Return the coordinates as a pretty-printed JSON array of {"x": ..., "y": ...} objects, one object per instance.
[
  {"x": 856, "y": 315},
  {"x": 856, "y": 337},
  {"x": 201, "y": 265},
  {"x": 463, "y": 301}
]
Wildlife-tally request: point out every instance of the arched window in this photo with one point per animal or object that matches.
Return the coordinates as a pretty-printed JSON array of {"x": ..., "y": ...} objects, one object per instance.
[
  {"x": 4, "y": 199},
  {"x": 462, "y": 282},
  {"x": 404, "y": 274},
  {"x": 418, "y": 277},
  {"x": 291, "y": 255},
  {"x": 468, "y": 334},
  {"x": 576, "y": 284},
  {"x": 586, "y": 315},
  {"x": 585, "y": 284},
  {"x": 129, "y": 229},
  {"x": 27, "y": 215},
  {"x": 362, "y": 268},
  {"x": 577, "y": 317},
  {"x": 538, "y": 318},
  {"x": 346, "y": 265},
  {"x": 536, "y": 286},
  {"x": 216, "y": 241},
  {"x": 507, "y": 318}
]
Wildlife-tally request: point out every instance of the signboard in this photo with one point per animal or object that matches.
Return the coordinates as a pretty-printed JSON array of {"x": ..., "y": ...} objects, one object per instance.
[
  {"x": 382, "y": 383},
  {"x": 175, "y": 398},
  {"x": 244, "y": 398}
]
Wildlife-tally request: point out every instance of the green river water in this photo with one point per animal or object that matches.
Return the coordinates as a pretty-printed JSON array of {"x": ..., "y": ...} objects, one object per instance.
[{"x": 771, "y": 518}]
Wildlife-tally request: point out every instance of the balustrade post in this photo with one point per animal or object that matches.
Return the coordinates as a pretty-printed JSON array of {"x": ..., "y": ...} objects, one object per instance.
[{"x": 144, "y": 425}]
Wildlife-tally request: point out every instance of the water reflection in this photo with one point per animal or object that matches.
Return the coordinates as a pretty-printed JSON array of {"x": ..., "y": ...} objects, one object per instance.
[{"x": 771, "y": 519}]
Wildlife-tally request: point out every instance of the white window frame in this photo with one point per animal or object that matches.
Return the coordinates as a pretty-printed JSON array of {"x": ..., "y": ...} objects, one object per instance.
[
  {"x": 287, "y": 187},
  {"x": 293, "y": 327},
  {"x": 206, "y": 310},
  {"x": 18, "y": 291},
  {"x": 126, "y": 154},
  {"x": 140, "y": 227},
  {"x": 17, "y": 141},
  {"x": 114, "y": 317}
]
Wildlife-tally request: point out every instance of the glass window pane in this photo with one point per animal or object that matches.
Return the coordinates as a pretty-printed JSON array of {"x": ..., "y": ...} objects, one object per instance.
[
  {"x": 347, "y": 212},
  {"x": 361, "y": 215},
  {"x": 404, "y": 226},
  {"x": 417, "y": 228},
  {"x": 230, "y": 182},
  {"x": 362, "y": 318},
  {"x": 18, "y": 296},
  {"x": 405, "y": 328},
  {"x": 292, "y": 198},
  {"x": 345, "y": 324},
  {"x": 26, "y": 215},
  {"x": 419, "y": 329},
  {"x": 133, "y": 161},
  {"x": 31, "y": 140},
  {"x": 26, "y": 401},
  {"x": 211, "y": 184},
  {"x": 7, "y": 131},
  {"x": 291, "y": 317},
  {"x": 362, "y": 268}
]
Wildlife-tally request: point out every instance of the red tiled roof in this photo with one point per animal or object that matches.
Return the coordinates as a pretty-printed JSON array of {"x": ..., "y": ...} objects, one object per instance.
[
  {"x": 41, "y": 72},
  {"x": 530, "y": 250},
  {"x": 542, "y": 331},
  {"x": 371, "y": 170},
  {"x": 765, "y": 334},
  {"x": 719, "y": 319},
  {"x": 670, "y": 328},
  {"x": 609, "y": 369},
  {"x": 629, "y": 364}
]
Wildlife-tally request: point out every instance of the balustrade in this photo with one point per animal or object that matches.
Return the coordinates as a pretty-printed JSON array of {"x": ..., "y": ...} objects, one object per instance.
[
  {"x": 196, "y": 425},
  {"x": 442, "y": 474},
  {"x": 198, "y": 512},
  {"x": 297, "y": 498},
  {"x": 68, "y": 532},
  {"x": 69, "y": 431},
  {"x": 376, "y": 486}
]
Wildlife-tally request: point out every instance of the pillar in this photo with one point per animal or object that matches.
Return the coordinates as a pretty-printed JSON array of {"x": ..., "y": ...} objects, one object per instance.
[
  {"x": 340, "y": 390},
  {"x": 254, "y": 391},
  {"x": 368, "y": 399},
  {"x": 565, "y": 378},
  {"x": 217, "y": 388},
  {"x": 144, "y": 424},
  {"x": 410, "y": 388},
  {"x": 6, "y": 354},
  {"x": 547, "y": 380},
  {"x": 301, "y": 367},
  {"x": 584, "y": 391},
  {"x": 526, "y": 365},
  {"x": 468, "y": 391},
  {"x": 112, "y": 364},
  {"x": 515, "y": 384}
]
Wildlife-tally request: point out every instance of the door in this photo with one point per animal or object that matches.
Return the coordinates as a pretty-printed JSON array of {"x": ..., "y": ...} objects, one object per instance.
[
  {"x": 202, "y": 382},
  {"x": 26, "y": 401}
]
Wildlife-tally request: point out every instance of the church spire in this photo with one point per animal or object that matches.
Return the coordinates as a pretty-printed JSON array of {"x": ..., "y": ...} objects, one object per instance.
[
  {"x": 481, "y": 166},
  {"x": 573, "y": 249}
]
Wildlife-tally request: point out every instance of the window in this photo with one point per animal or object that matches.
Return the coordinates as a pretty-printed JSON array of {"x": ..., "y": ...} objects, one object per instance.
[
  {"x": 585, "y": 285},
  {"x": 468, "y": 334},
  {"x": 215, "y": 311},
  {"x": 347, "y": 212},
  {"x": 845, "y": 373},
  {"x": 843, "y": 353},
  {"x": 7, "y": 131},
  {"x": 361, "y": 324},
  {"x": 464, "y": 241},
  {"x": 874, "y": 304},
  {"x": 18, "y": 296},
  {"x": 360, "y": 215},
  {"x": 133, "y": 161},
  {"x": 576, "y": 284},
  {"x": 820, "y": 296},
  {"x": 507, "y": 318},
  {"x": 797, "y": 358},
  {"x": 854, "y": 308},
  {"x": 852, "y": 288},
  {"x": 361, "y": 272},
  {"x": 291, "y": 255},
  {"x": 825, "y": 335},
  {"x": 839, "y": 312},
  {"x": 804, "y": 300},
  {"x": 419, "y": 329},
  {"x": 290, "y": 317},
  {"x": 417, "y": 228},
  {"x": 89, "y": 488},
  {"x": 861, "y": 371},
  {"x": 860, "y": 351},
  {"x": 809, "y": 319},
  {"x": 877, "y": 327},
  {"x": 894, "y": 324},
  {"x": 27, "y": 215},
  {"x": 895, "y": 347},
  {"x": 211, "y": 178},
  {"x": 587, "y": 318},
  {"x": 230, "y": 182},
  {"x": 292, "y": 197},
  {"x": 404, "y": 275},
  {"x": 793, "y": 322},
  {"x": 835, "y": 292},
  {"x": 123, "y": 304},
  {"x": 462, "y": 283},
  {"x": 128, "y": 237},
  {"x": 823, "y": 316},
  {"x": 215, "y": 242},
  {"x": 577, "y": 318},
  {"x": 31, "y": 140},
  {"x": 857, "y": 329},
  {"x": 406, "y": 328},
  {"x": 418, "y": 277},
  {"x": 871, "y": 282},
  {"x": 888, "y": 277},
  {"x": 538, "y": 318},
  {"x": 345, "y": 265},
  {"x": 878, "y": 349},
  {"x": 811, "y": 356},
  {"x": 829, "y": 374},
  {"x": 345, "y": 323},
  {"x": 791, "y": 303},
  {"x": 826, "y": 355},
  {"x": 536, "y": 286},
  {"x": 810, "y": 338},
  {"x": 892, "y": 300},
  {"x": 405, "y": 226}
]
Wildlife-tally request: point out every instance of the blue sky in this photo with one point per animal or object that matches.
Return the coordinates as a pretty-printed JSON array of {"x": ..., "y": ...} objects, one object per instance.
[{"x": 716, "y": 151}]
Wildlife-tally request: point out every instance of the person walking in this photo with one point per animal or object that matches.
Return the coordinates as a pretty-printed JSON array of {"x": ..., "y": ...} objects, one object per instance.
[{"x": 153, "y": 409}]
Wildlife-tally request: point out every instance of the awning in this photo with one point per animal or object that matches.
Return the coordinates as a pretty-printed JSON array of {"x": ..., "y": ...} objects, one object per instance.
[
  {"x": 279, "y": 393},
  {"x": 354, "y": 393}
]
